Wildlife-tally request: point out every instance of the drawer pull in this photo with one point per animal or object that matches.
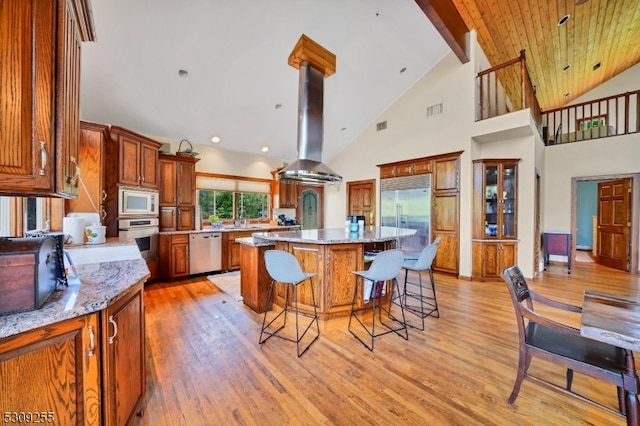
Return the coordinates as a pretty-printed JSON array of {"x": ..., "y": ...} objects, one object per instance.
[
  {"x": 43, "y": 158},
  {"x": 115, "y": 329},
  {"x": 92, "y": 341}
]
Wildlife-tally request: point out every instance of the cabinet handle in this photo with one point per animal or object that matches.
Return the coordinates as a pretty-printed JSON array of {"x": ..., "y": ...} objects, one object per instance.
[
  {"x": 104, "y": 214},
  {"x": 92, "y": 341},
  {"x": 73, "y": 180},
  {"x": 139, "y": 179},
  {"x": 104, "y": 195},
  {"x": 142, "y": 178},
  {"x": 43, "y": 158},
  {"x": 115, "y": 329}
]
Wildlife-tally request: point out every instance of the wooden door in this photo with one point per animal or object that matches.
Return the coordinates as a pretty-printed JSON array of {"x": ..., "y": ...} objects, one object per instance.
[
  {"x": 361, "y": 199},
  {"x": 167, "y": 178},
  {"x": 124, "y": 358},
  {"x": 445, "y": 213},
  {"x": 54, "y": 372},
  {"x": 129, "y": 161},
  {"x": 614, "y": 223},
  {"x": 27, "y": 116},
  {"x": 310, "y": 207},
  {"x": 149, "y": 165}
]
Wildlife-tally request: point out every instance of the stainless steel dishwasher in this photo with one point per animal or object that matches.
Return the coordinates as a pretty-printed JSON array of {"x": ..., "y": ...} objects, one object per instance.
[{"x": 205, "y": 252}]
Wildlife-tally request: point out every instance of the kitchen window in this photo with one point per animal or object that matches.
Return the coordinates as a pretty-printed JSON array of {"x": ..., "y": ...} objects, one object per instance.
[{"x": 233, "y": 197}]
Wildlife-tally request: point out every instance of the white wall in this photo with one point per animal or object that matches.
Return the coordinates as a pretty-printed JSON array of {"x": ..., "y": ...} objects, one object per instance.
[
  {"x": 613, "y": 155},
  {"x": 222, "y": 161}
]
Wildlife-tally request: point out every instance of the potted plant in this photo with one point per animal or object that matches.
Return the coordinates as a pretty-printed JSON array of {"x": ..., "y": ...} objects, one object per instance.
[{"x": 215, "y": 221}]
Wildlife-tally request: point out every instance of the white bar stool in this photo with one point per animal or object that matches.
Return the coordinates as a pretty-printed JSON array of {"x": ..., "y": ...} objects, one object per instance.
[
  {"x": 385, "y": 267},
  {"x": 283, "y": 267}
]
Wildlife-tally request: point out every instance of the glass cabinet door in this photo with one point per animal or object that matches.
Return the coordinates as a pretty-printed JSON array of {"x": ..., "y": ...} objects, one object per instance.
[
  {"x": 491, "y": 201},
  {"x": 508, "y": 201}
]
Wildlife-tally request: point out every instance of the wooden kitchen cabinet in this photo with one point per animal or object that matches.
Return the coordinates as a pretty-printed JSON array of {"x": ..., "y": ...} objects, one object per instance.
[
  {"x": 417, "y": 166},
  {"x": 53, "y": 373},
  {"x": 288, "y": 194},
  {"x": 491, "y": 258},
  {"x": 92, "y": 160},
  {"x": 254, "y": 278},
  {"x": 177, "y": 176},
  {"x": 39, "y": 120},
  {"x": 231, "y": 249},
  {"x": 137, "y": 158},
  {"x": 123, "y": 355},
  {"x": 495, "y": 212},
  {"x": 174, "y": 256}
]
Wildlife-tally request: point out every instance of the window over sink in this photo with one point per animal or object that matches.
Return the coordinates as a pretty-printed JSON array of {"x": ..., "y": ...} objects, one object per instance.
[{"x": 233, "y": 198}]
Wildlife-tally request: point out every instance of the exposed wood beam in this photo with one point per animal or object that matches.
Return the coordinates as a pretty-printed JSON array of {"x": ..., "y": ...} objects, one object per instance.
[{"x": 445, "y": 17}]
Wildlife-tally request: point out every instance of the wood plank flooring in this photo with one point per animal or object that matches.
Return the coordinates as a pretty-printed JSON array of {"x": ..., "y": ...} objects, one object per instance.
[{"x": 205, "y": 367}]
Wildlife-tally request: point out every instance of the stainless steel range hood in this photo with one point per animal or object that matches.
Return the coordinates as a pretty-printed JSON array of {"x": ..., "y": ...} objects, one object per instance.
[{"x": 308, "y": 168}]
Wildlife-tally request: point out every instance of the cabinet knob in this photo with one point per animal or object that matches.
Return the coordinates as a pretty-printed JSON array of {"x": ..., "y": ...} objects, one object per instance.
[{"x": 104, "y": 195}]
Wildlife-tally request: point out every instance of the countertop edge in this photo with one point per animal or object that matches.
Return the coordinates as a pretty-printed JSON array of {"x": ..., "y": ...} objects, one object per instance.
[{"x": 101, "y": 285}]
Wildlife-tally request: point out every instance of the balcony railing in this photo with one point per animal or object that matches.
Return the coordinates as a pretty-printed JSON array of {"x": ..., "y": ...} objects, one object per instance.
[
  {"x": 507, "y": 88},
  {"x": 600, "y": 118}
]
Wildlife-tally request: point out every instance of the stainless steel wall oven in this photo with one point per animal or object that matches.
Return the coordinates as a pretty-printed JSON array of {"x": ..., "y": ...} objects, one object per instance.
[{"x": 144, "y": 231}]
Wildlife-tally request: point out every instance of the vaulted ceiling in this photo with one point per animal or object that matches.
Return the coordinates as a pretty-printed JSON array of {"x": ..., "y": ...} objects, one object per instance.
[
  {"x": 201, "y": 68},
  {"x": 598, "y": 40}
]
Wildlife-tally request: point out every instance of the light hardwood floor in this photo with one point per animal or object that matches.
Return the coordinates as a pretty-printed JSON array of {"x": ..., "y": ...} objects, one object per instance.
[{"x": 205, "y": 367}]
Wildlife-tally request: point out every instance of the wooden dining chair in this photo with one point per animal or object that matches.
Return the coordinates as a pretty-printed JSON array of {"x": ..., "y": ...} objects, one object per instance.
[{"x": 547, "y": 339}]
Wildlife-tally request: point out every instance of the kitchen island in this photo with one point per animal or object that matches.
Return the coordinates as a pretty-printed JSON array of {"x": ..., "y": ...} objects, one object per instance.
[
  {"x": 332, "y": 254},
  {"x": 80, "y": 358}
]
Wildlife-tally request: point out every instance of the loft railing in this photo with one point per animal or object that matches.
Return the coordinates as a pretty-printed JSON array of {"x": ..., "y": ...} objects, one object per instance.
[
  {"x": 600, "y": 118},
  {"x": 507, "y": 88}
]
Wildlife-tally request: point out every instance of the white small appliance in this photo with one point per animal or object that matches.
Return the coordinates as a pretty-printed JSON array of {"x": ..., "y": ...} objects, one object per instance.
[{"x": 137, "y": 202}]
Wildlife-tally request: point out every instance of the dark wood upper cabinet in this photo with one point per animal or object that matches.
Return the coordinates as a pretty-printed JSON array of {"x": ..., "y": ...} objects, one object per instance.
[
  {"x": 137, "y": 158},
  {"x": 40, "y": 95}
]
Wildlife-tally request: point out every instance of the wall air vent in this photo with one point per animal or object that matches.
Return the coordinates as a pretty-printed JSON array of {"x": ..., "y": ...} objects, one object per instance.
[
  {"x": 434, "y": 109},
  {"x": 381, "y": 125}
]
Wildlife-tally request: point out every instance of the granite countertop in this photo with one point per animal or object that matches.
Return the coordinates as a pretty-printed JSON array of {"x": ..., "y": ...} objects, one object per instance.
[
  {"x": 254, "y": 228},
  {"x": 371, "y": 234},
  {"x": 104, "y": 271},
  {"x": 254, "y": 242}
]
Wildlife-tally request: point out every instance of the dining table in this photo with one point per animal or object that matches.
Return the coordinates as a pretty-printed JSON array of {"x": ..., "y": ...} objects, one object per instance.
[{"x": 615, "y": 319}]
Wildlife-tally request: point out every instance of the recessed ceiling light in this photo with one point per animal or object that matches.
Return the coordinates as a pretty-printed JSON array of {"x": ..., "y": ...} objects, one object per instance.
[
  {"x": 566, "y": 67},
  {"x": 566, "y": 95},
  {"x": 596, "y": 66},
  {"x": 563, "y": 20},
  {"x": 403, "y": 69},
  {"x": 343, "y": 129},
  {"x": 278, "y": 106},
  {"x": 265, "y": 149},
  {"x": 215, "y": 139},
  {"x": 183, "y": 73}
]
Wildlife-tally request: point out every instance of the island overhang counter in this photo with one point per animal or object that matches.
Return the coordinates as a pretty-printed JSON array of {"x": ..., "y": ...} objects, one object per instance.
[{"x": 332, "y": 254}]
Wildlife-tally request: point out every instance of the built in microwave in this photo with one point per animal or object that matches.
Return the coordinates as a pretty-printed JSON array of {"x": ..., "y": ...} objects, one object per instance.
[{"x": 137, "y": 202}]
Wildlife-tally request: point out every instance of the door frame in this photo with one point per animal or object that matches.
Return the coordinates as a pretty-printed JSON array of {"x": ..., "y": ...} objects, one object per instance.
[{"x": 635, "y": 213}]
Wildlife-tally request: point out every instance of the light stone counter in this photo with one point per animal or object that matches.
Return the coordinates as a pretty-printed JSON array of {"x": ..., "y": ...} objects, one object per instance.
[
  {"x": 372, "y": 234},
  {"x": 105, "y": 272}
]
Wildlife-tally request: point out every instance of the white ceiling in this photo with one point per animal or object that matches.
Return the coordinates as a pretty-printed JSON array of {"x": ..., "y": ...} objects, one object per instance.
[{"x": 236, "y": 52}]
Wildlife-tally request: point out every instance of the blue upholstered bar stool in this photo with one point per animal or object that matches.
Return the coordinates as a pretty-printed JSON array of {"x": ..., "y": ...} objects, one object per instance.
[
  {"x": 283, "y": 267},
  {"x": 413, "y": 297},
  {"x": 385, "y": 267}
]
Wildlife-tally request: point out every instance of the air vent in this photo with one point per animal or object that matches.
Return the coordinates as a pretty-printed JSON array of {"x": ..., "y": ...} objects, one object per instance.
[
  {"x": 434, "y": 110},
  {"x": 381, "y": 125}
]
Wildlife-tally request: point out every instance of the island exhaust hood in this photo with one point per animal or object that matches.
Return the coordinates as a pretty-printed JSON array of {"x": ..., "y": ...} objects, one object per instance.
[{"x": 314, "y": 63}]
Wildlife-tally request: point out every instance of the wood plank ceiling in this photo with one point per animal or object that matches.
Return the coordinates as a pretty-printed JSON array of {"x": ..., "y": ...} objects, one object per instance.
[{"x": 604, "y": 32}]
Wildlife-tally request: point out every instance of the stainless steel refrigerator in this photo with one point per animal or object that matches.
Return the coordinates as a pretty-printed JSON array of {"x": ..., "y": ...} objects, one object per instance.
[{"x": 405, "y": 202}]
